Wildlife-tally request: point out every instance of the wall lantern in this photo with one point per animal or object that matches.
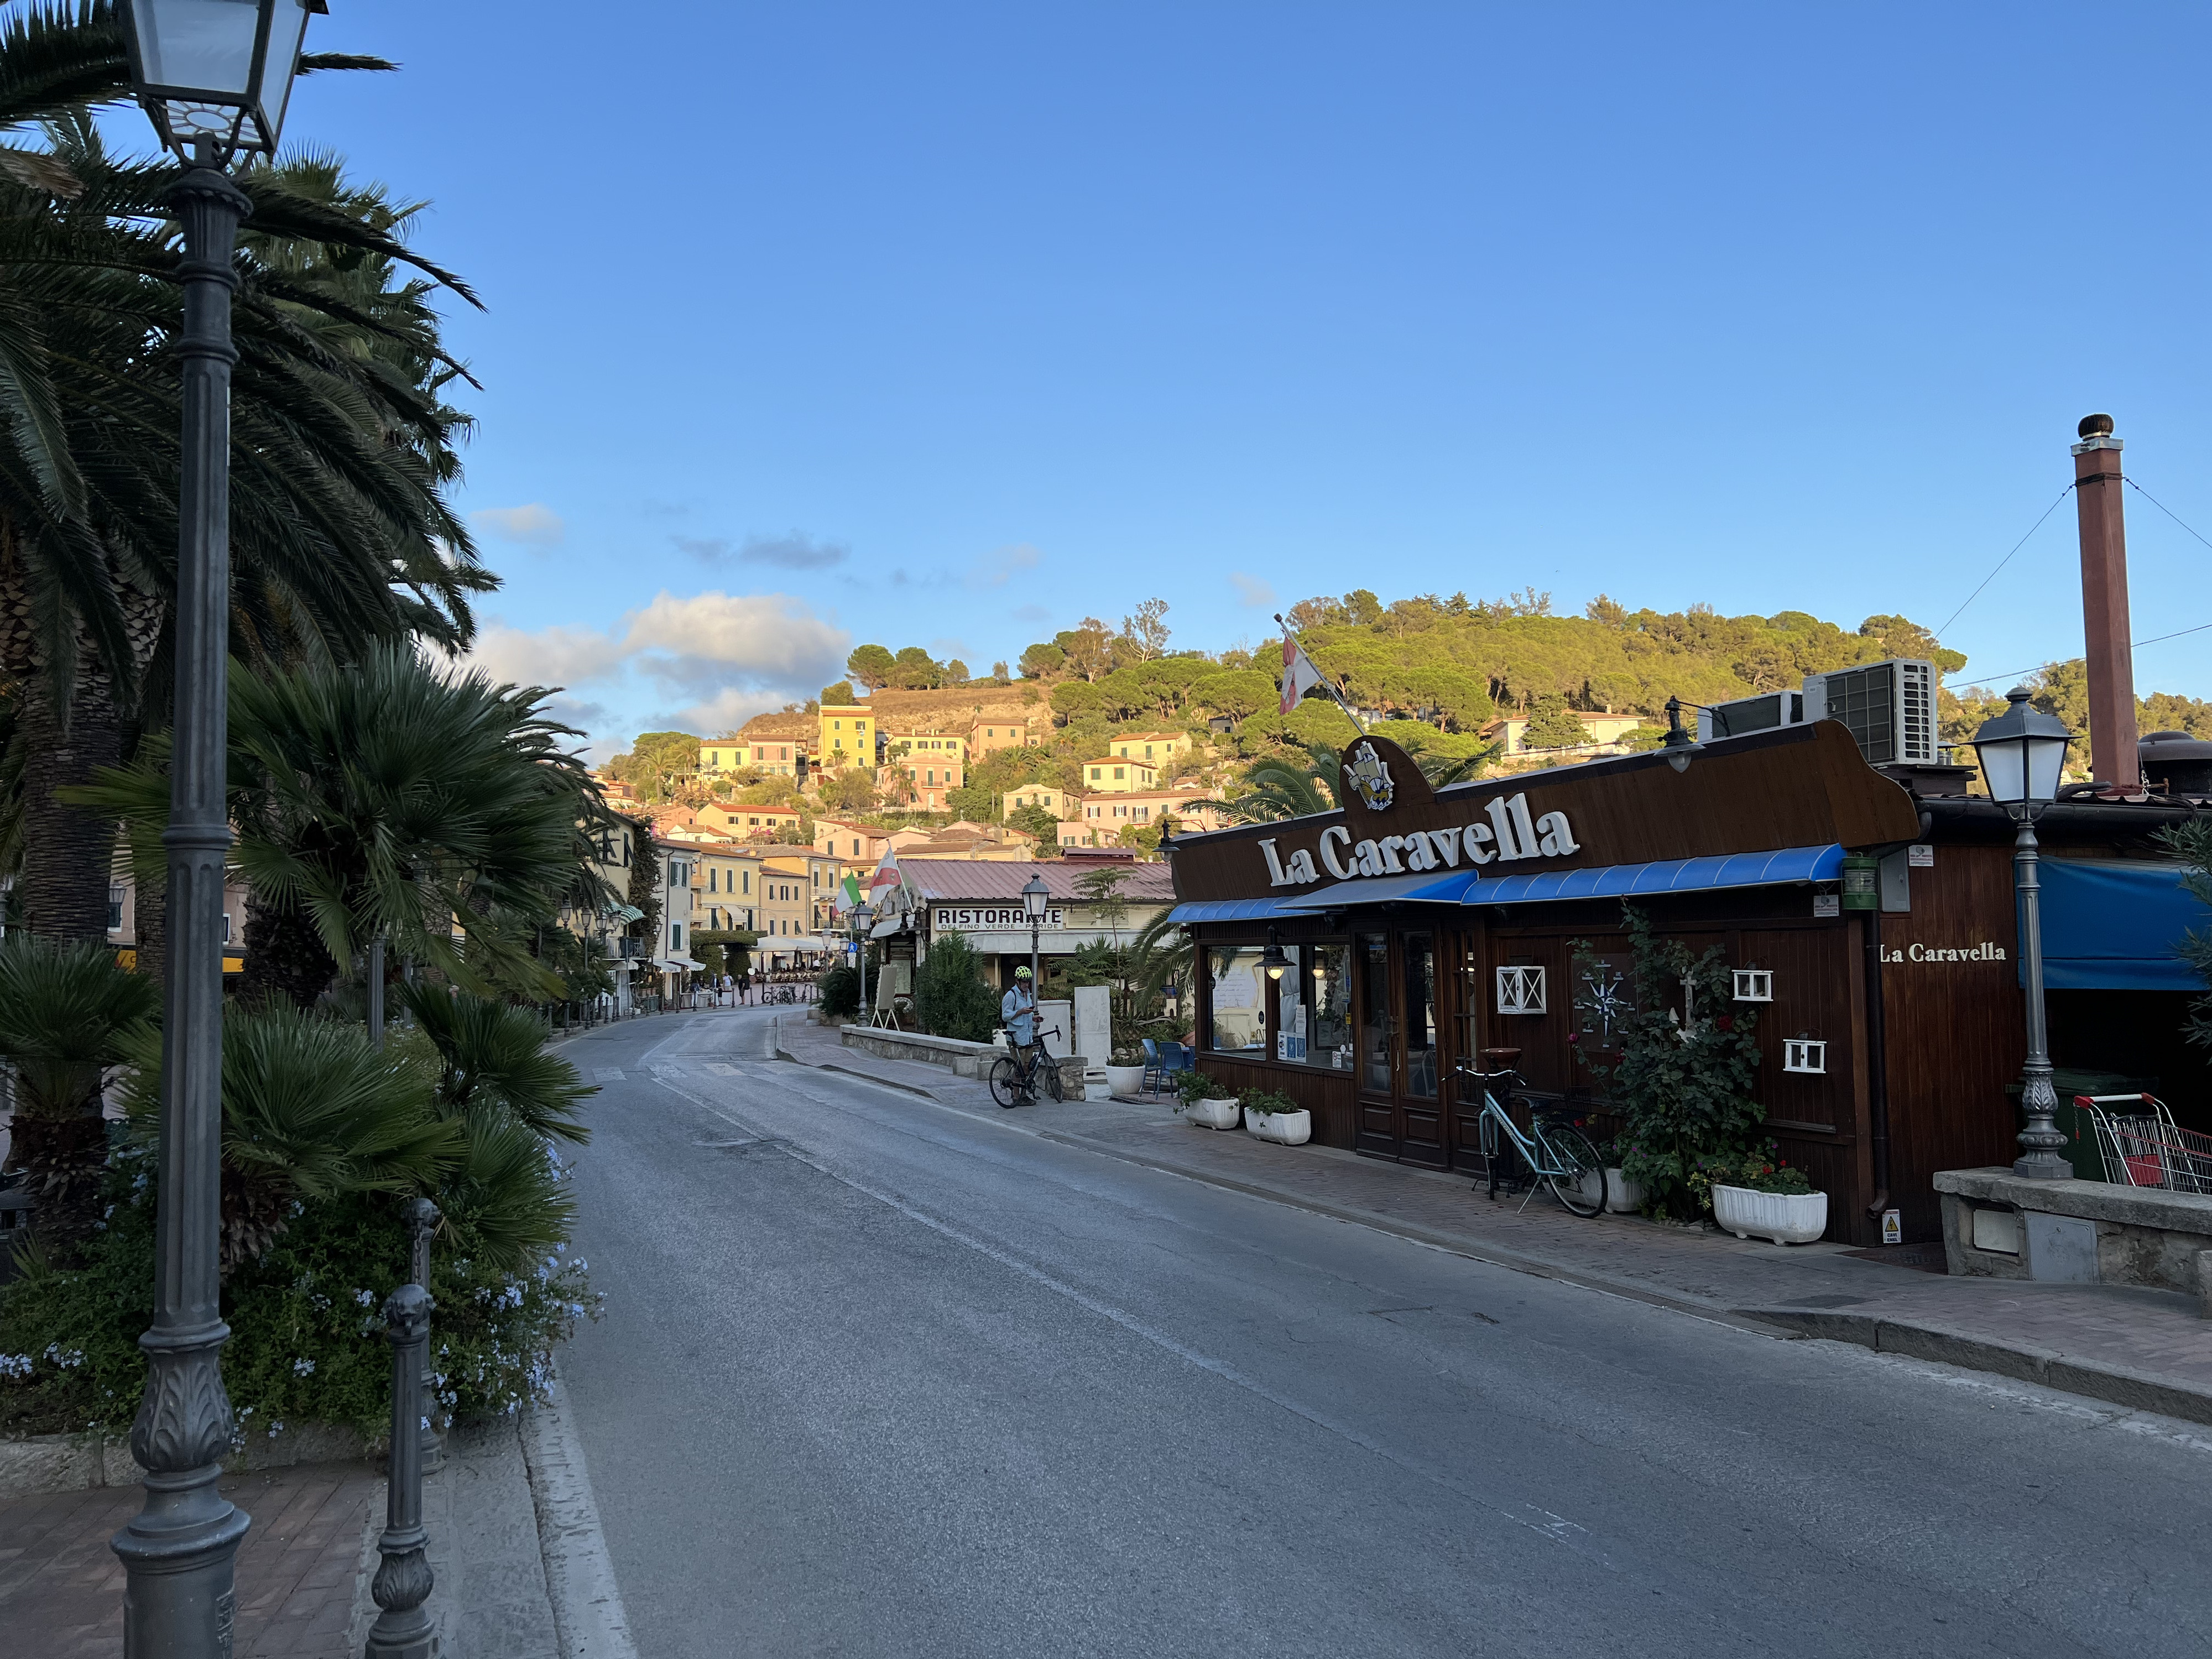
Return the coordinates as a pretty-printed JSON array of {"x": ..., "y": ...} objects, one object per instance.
[
  {"x": 1862, "y": 882},
  {"x": 1273, "y": 958},
  {"x": 214, "y": 76}
]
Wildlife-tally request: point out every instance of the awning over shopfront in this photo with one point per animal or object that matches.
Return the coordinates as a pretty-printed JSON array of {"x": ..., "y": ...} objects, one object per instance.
[
  {"x": 2116, "y": 926},
  {"x": 1428, "y": 889},
  {"x": 1790, "y": 864},
  {"x": 1226, "y": 910}
]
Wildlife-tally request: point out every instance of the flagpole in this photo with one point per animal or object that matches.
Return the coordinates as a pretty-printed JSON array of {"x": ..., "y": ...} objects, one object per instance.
[{"x": 1321, "y": 679}]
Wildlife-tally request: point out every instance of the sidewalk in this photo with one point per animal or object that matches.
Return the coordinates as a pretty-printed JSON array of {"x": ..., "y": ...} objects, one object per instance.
[
  {"x": 303, "y": 1571},
  {"x": 2147, "y": 1350}
]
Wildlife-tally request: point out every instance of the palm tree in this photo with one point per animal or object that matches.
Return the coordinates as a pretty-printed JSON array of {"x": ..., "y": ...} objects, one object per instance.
[
  {"x": 342, "y": 446},
  {"x": 389, "y": 797},
  {"x": 67, "y": 1015},
  {"x": 1282, "y": 789}
]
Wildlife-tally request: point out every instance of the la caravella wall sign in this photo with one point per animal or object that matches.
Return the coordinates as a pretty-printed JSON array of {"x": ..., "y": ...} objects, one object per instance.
[{"x": 1510, "y": 835}]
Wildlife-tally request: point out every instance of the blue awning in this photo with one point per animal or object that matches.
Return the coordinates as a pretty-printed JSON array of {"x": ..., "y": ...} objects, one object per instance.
[
  {"x": 1226, "y": 910},
  {"x": 2115, "y": 926},
  {"x": 1790, "y": 864},
  {"x": 1430, "y": 887}
]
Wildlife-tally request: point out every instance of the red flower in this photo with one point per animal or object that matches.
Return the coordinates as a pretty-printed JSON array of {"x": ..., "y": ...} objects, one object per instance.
[{"x": 1726, "y": 1022}]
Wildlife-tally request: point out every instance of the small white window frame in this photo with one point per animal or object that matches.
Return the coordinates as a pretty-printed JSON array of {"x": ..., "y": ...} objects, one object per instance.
[
  {"x": 1521, "y": 989},
  {"x": 1754, "y": 985},
  {"x": 1806, "y": 1056}
]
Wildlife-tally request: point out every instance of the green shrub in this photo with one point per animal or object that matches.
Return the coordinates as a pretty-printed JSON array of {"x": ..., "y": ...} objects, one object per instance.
[
  {"x": 840, "y": 991},
  {"x": 950, "y": 997},
  {"x": 1682, "y": 1086},
  {"x": 1195, "y": 1085},
  {"x": 1265, "y": 1102},
  {"x": 1762, "y": 1169},
  {"x": 307, "y": 1323}
]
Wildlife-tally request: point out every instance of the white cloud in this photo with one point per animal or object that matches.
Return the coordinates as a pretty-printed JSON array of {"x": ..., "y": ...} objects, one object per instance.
[
  {"x": 533, "y": 525},
  {"x": 997, "y": 568},
  {"x": 710, "y": 641},
  {"x": 550, "y": 656},
  {"x": 1250, "y": 590}
]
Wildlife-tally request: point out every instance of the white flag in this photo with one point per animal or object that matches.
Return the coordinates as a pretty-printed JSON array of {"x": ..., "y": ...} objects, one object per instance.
[{"x": 1298, "y": 674}]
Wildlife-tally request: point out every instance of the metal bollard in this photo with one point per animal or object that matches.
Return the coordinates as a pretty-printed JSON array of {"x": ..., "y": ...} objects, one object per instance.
[
  {"x": 422, "y": 1222},
  {"x": 403, "y": 1627}
]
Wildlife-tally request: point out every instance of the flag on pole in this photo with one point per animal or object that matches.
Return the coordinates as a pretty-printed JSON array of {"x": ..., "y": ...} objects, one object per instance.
[{"x": 1298, "y": 674}]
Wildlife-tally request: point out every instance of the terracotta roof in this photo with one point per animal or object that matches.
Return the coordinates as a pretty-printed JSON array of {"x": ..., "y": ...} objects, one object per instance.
[{"x": 960, "y": 878}]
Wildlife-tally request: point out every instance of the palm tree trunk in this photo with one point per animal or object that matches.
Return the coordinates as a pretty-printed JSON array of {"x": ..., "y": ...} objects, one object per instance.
[
  {"x": 67, "y": 851},
  {"x": 284, "y": 956}
]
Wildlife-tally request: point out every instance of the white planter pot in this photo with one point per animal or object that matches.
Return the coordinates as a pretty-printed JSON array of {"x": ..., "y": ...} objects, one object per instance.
[
  {"x": 1284, "y": 1128},
  {"x": 1622, "y": 1195},
  {"x": 1124, "y": 1079},
  {"x": 1786, "y": 1217},
  {"x": 1212, "y": 1114}
]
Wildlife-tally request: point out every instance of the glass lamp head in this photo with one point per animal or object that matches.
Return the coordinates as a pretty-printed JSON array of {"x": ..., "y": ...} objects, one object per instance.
[
  {"x": 1035, "y": 897},
  {"x": 214, "y": 76},
  {"x": 2022, "y": 752},
  {"x": 1271, "y": 959}
]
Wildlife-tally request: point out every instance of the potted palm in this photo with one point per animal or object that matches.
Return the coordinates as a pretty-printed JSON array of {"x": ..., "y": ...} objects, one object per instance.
[
  {"x": 1764, "y": 1196},
  {"x": 1271, "y": 1116},
  {"x": 1204, "y": 1103}
]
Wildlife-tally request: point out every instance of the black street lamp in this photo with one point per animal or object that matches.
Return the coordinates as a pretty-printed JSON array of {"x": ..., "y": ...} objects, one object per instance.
[
  {"x": 1035, "y": 897},
  {"x": 864, "y": 918},
  {"x": 2023, "y": 754},
  {"x": 215, "y": 76},
  {"x": 1272, "y": 959}
]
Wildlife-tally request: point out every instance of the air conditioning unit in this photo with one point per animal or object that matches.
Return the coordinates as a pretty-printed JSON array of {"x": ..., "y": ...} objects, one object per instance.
[
  {"x": 1761, "y": 713},
  {"x": 1889, "y": 708}
]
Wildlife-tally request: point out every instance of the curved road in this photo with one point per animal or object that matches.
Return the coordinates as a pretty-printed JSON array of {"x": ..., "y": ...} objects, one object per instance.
[{"x": 878, "y": 1377}]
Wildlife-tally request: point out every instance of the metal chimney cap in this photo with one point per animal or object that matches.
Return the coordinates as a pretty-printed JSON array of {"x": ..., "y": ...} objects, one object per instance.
[{"x": 2095, "y": 426}]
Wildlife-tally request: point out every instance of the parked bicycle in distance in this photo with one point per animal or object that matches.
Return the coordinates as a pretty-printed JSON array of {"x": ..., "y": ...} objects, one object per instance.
[
  {"x": 1559, "y": 1154},
  {"x": 1014, "y": 1084}
]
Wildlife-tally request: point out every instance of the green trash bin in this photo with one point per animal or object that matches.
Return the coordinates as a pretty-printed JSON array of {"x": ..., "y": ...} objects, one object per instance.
[{"x": 2081, "y": 1148}]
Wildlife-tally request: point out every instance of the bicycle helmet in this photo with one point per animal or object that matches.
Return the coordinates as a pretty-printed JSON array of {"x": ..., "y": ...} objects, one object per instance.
[{"x": 1021, "y": 973}]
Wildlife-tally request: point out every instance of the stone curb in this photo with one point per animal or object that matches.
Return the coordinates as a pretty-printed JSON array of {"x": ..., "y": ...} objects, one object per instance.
[
  {"x": 2115, "y": 1385},
  {"x": 40, "y": 1463}
]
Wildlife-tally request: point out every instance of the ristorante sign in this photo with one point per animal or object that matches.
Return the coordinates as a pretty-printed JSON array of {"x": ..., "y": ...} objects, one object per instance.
[{"x": 1805, "y": 785}]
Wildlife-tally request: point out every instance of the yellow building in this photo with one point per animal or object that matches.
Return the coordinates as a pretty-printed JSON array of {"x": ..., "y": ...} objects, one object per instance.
[
  {"x": 844, "y": 736},
  {"x": 779, "y": 758},
  {"x": 1160, "y": 746},
  {"x": 1119, "y": 775},
  {"x": 996, "y": 731},
  {"x": 1053, "y": 800},
  {"x": 747, "y": 822},
  {"x": 796, "y": 890}
]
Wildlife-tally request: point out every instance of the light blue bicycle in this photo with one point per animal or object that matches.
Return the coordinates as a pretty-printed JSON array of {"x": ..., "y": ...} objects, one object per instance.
[{"x": 1555, "y": 1151}]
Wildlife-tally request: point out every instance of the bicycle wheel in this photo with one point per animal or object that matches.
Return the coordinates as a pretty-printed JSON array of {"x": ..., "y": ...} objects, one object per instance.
[
  {"x": 1577, "y": 1177},
  {"x": 1006, "y": 1081},
  {"x": 1048, "y": 1075}
]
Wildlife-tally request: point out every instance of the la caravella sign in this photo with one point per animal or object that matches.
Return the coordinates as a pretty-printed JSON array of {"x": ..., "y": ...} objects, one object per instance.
[{"x": 1510, "y": 835}]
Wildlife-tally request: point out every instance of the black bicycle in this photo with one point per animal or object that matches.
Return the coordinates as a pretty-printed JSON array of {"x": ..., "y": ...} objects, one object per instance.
[{"x": 1014, "y": 1082}]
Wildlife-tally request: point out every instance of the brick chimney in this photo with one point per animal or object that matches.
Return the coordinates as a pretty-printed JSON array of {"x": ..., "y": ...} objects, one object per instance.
[{"x": 2112, "y": 755}]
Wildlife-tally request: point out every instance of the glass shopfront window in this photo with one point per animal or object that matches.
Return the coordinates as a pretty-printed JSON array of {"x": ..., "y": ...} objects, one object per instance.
[
  {"x": 1313, "y": 1008},
  {"x": 1239, "y": 987},
  {"x": 1421, "y": 1015},
  {"x": 1375, "y": 1012}
]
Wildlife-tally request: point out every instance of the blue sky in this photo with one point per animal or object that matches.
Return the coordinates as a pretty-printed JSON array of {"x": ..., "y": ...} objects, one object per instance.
[{"x": 950, "y": 324}]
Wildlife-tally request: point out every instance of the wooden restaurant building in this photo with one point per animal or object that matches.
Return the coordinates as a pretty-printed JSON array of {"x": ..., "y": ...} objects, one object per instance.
[{"x": 1424, "y": 928}]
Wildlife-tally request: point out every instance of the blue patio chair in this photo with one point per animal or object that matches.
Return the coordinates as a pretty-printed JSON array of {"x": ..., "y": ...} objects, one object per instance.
[
  {"x": 1154, "y": 1070},
  {"x": 1175, "y": 1057}
]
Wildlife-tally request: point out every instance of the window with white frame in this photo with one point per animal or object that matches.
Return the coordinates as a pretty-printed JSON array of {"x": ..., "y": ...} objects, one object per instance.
[
  {"x": 1520, "y": 989},
  {"x": 1806, "y": 1055},
  {"x": 1754, "y": 985}
]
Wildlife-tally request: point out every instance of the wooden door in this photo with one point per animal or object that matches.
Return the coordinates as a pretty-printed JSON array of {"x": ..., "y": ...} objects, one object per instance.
[{"x": 1420, "y": 1115}]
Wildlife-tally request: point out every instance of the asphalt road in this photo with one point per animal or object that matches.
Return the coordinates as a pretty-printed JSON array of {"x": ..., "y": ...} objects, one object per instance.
[{"x": 881, "y": 1378}]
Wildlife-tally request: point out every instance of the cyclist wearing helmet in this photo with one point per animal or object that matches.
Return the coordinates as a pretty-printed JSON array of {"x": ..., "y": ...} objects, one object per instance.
[{"x": 1017, "y": 1009}]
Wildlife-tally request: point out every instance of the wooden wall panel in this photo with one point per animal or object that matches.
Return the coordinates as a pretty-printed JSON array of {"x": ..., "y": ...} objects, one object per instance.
[
  {"x": 1957, "y": 1029},
  {"x": 1326, "y": 1095}
]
